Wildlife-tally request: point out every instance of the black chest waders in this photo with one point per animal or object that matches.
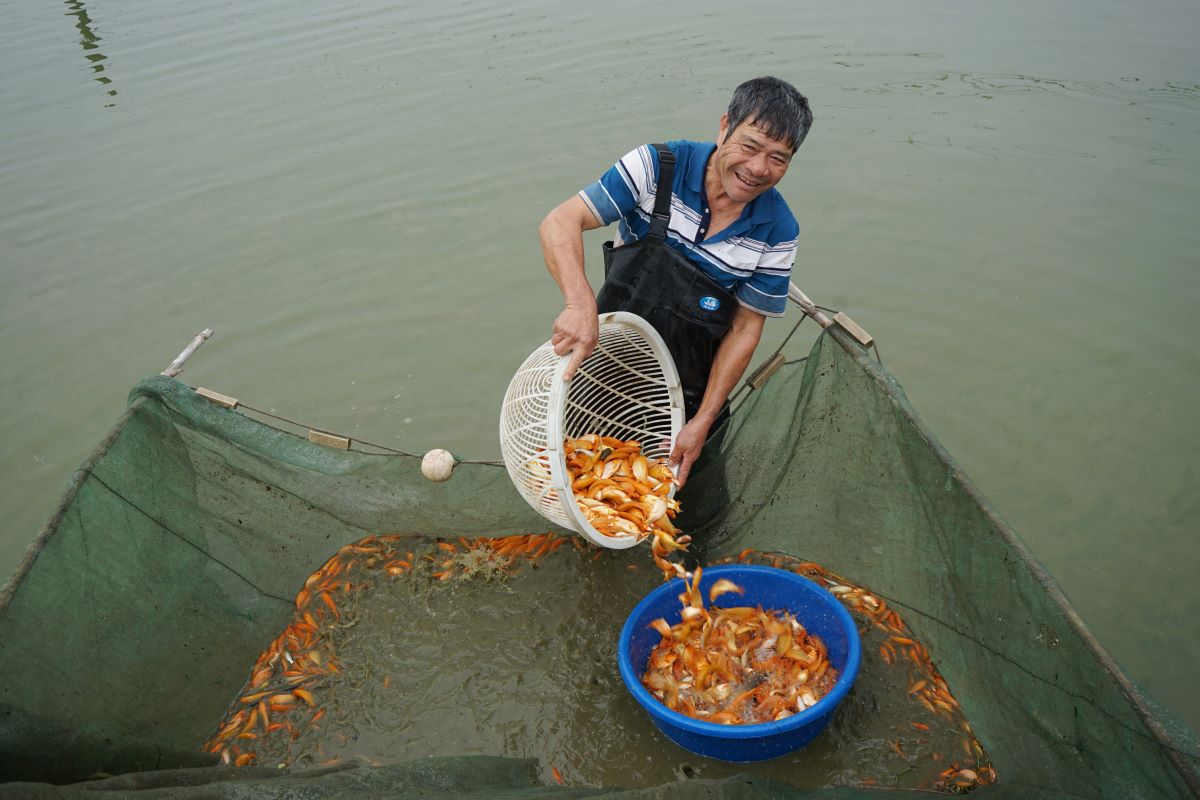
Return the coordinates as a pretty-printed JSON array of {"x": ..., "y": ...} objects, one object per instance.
[{"x": 690, "y": 310}]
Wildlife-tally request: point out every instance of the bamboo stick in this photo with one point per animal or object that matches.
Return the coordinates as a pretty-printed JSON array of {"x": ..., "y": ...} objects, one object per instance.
[
  {"x": 840, "y": 319},
  {"x": 177, "y": 365},
  {"x": 808, "y": 306}
]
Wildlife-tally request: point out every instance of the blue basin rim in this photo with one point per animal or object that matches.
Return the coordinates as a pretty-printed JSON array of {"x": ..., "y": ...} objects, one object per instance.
[{"x": 750, "y": 577}]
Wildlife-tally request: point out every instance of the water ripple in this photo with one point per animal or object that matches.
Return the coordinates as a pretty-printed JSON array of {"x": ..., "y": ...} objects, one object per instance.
[
  {"x": 1190, "y": 164},
  {"x": 1181, "y": 95},
  {"x": 1052, "y": 151}
]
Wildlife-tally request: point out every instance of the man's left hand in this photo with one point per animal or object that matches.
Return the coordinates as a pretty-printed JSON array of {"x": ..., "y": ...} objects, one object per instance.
[{"x": 688, "y": 445}]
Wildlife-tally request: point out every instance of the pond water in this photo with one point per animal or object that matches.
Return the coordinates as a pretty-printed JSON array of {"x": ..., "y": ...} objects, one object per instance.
[
  {"x": 420, "y": 649},
  {"x": 1004, "y": 196}
]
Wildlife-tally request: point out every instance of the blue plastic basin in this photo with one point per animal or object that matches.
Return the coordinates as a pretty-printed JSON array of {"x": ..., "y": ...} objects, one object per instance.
[{"x": 775, "y": 590}]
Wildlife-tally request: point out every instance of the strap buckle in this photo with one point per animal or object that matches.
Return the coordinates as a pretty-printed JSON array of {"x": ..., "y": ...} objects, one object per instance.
[{"x": 658, "y": 225}]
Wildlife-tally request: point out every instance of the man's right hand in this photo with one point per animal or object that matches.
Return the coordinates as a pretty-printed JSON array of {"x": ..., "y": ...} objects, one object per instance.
[{"x": 576, "y": 331}]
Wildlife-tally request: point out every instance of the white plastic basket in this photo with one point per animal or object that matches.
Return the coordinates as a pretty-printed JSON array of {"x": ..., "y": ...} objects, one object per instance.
[{"x": 627, "y": 388}]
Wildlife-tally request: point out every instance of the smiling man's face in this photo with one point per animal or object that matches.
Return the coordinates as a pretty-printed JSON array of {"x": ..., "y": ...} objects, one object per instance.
[{"x": 747, "y": 162}]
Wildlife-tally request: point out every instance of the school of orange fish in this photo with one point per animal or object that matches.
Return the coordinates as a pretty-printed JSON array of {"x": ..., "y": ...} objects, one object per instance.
[
  {"x": 282, "y": 697},
  {"x": 899, "y": 647},
  {"x": 622, "y": 493},
  {"x": 279, "y": 701},
  {"x": 735, "y": 665}
]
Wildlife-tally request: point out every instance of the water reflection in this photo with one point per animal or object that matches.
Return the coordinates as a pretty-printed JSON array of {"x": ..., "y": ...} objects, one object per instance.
[{"x": 88, "y": 41}]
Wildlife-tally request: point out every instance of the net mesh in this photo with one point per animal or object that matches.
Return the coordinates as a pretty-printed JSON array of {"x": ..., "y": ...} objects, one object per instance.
[{"x": 177, "y": 553}]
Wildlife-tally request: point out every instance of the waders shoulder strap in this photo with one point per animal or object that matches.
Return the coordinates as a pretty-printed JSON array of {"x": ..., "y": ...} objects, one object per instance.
[{"x": 662, "y": 196}]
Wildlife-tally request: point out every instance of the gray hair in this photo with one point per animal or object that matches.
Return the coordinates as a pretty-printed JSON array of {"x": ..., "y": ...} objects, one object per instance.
[{"x": 775, "y": 106}]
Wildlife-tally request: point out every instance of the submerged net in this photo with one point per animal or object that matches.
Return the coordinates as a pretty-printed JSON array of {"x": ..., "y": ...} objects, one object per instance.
[
  {"x": 169, "y": 579},
  {"x": 475, "y": 673}
]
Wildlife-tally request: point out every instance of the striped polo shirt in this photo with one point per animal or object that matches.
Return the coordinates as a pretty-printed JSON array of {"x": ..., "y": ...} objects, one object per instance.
[{"x": 752, "y": 258}]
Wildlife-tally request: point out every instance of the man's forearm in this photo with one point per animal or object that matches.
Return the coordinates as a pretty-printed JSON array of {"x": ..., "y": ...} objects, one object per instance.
[
  {"x": 561, "y": 234},
  {"x": 576, "y": 329}
]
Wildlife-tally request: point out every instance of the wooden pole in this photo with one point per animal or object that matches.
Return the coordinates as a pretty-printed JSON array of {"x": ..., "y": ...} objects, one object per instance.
[
  {"x": 177, "y": 365},
  {"x": 808, "y": 306},
  {"x": 840, "y": 319}
]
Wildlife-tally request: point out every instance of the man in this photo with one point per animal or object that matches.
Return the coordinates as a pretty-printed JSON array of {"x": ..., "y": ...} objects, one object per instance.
[{"x": 708, "y": 278}]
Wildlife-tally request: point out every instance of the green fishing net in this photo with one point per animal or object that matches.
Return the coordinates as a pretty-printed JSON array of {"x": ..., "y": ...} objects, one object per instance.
[{"x": 178, "y": 551}]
